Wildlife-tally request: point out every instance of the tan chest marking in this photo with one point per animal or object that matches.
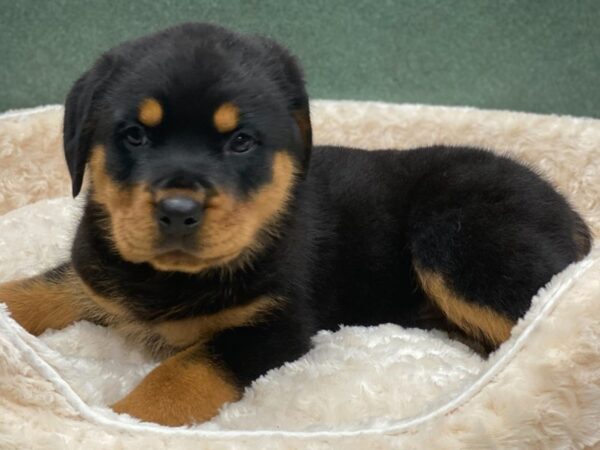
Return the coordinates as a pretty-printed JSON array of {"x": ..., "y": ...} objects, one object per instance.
[
  {"x": 182, "y": 333},
  {"x": 104, "y": 308}
]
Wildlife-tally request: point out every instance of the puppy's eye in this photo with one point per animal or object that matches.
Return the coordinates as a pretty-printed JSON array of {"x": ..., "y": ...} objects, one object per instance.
[
  {"x": 241, "y": 143},
  {"x": 135, "y": 136}
]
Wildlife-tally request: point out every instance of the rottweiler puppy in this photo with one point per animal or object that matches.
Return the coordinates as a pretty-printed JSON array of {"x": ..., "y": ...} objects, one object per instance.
[{"x": 219, "y": 237}]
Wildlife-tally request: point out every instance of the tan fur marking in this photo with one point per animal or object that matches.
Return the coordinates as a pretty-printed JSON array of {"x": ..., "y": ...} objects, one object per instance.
[
  {"x": 229, "y": 228},
  {"x": 132, "y": 223},
  {"x": 226, "y": 117},
  {"x": 182, "y": 333},
  {"x": 478, "y": 321},
  {"x": 232, "y": 227},
  {"x": 150, "y": 112},
  {"x": 184, "y": 389},
  {"x": 101, "y": 307},
  {"x": 38, "y": 304}
]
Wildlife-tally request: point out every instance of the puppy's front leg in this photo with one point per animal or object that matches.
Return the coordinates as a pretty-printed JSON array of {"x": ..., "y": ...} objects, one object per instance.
[
  {"x": 187, "y": 387},
  {"x": 192, "y": 385},
  {"x": 51, "y": 300}
]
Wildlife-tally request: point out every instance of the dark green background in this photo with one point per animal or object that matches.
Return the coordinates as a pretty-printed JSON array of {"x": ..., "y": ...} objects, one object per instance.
[{"x": 541, "y": 56}]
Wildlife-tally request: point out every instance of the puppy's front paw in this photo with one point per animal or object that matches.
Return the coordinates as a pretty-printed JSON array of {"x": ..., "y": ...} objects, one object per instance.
[
  {"x": 150, "y": 410},
  {"x": 40, "y": 303},
  {"x": 178, "y": 392}
]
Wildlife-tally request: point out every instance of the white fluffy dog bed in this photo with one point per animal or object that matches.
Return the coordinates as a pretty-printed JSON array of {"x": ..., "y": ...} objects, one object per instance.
[{"x": 380, "y": 387}]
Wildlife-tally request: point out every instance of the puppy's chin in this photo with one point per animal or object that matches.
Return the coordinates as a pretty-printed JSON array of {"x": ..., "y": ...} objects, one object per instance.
[{"x": 180, "y": 261}]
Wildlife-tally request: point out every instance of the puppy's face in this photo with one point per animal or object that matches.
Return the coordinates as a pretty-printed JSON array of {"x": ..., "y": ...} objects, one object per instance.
[{"x": 196, "y": 137}]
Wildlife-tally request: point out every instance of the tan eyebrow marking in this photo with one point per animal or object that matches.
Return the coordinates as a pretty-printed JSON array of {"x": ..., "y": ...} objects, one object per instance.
[
  {"x": 150, "y": 112},
  {"x": 226, "y": 117}
]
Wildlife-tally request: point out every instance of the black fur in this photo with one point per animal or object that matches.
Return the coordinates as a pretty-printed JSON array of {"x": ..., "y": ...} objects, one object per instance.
[{"x": 355, "y": 224}]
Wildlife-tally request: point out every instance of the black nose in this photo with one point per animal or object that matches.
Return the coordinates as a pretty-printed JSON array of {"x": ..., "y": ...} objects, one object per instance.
[{"x": 178, "y": 216}]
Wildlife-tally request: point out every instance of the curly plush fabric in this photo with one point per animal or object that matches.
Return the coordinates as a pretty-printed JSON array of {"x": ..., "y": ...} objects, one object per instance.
[{"x": 377, "y": 387}]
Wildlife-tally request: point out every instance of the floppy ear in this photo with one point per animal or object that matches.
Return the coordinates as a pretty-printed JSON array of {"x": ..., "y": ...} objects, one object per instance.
[
  {"x": 81, "y": 117},
  {"x": 286, "y": 72}
]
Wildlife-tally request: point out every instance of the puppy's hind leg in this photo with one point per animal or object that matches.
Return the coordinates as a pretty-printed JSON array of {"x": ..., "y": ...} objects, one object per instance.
[
  {"x": 482, "y": 322},
  {"x": 482, "y": 249},
  {"x": 54, "y": 299}
]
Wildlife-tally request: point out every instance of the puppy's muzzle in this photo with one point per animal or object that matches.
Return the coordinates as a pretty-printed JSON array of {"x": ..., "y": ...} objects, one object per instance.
[{"x": 179, "y": 216}]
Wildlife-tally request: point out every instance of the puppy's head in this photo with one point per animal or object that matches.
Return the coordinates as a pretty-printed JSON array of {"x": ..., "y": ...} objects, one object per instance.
[{"x": 194, "y": 138}]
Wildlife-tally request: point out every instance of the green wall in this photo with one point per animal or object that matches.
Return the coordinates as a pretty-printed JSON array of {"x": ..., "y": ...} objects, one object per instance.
[{"x": 540, "y": 56}]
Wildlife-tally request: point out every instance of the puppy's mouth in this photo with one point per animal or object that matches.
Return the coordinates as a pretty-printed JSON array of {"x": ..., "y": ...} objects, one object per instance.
[
  {"x": 185, "y": 244},
  {"x": 186, "y": 261}
]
